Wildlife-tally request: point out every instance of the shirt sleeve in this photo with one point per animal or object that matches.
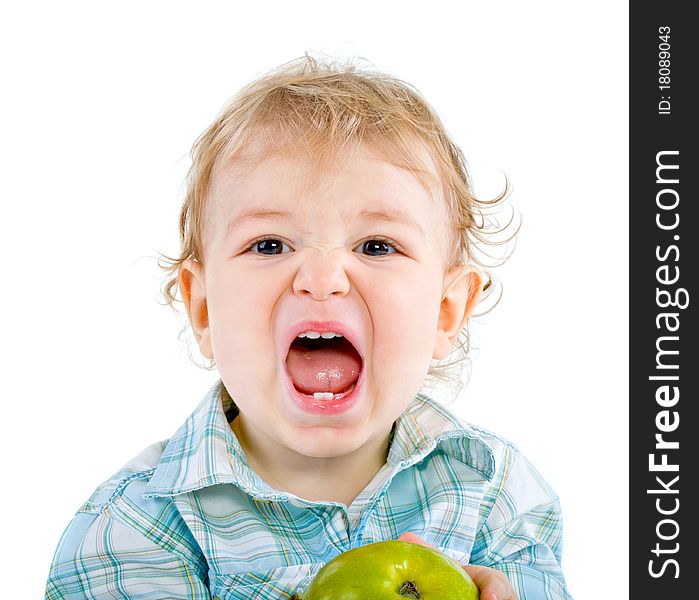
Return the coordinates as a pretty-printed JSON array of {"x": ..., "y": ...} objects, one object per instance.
[
  {"x": 522, "y": 533},
  {"x": 100, "y": 556}
]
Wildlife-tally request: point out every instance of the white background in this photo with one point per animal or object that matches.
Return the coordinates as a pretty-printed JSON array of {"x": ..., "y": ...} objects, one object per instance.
[{"x": 100, "y": 106}]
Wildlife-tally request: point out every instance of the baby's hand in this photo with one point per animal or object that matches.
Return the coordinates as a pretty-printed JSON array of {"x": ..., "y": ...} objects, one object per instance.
[{"x": 493, "y": 584}]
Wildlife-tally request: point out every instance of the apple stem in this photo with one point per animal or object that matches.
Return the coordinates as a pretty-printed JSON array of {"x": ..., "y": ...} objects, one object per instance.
[{"x": 409, "y": 590}]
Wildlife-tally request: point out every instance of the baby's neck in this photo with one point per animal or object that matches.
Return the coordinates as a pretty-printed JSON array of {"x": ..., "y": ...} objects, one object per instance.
[
  {"x": 334, "y": 479},
  {"x": 324, "y": 482}
]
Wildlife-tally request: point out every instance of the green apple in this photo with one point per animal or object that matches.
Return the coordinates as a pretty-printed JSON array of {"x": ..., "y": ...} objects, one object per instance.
[{"x": 392, "y": 570}]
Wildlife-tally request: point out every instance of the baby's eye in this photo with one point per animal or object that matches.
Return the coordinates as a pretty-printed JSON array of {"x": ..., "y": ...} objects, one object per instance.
[
  {"x": 269, "y": 246},
  {"x": 376, "y": 248}
]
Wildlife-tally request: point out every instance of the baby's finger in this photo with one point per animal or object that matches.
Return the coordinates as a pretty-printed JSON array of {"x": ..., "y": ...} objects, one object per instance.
[
  {"x": 414, "y": 539},
  {"x": 493, "y": 585}
]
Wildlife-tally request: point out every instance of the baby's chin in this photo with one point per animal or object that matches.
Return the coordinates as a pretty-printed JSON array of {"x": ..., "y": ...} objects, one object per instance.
[
  {"x": 332, "y": 442},
  {"x": 365, "y": 426}
]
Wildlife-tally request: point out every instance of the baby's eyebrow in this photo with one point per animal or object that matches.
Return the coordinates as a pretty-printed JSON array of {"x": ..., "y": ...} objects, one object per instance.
[
  {"x": 389, "y": 215},
  {"x": 254, "y": 214}
]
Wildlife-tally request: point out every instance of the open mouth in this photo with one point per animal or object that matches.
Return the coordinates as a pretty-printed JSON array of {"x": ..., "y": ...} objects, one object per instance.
[{"x": 323, "y": 366}]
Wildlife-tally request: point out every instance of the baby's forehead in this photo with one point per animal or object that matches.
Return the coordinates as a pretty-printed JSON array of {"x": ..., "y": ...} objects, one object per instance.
[
  {"x": 370, "y": 162},
  {"x": 263, "y": 180},
  {"x": 300, "y": 185}
]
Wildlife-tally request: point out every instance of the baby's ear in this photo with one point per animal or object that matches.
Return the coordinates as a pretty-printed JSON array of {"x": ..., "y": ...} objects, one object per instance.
[
  {"x": 461, "y": 293},
  {"x": 193, "y": 289}
]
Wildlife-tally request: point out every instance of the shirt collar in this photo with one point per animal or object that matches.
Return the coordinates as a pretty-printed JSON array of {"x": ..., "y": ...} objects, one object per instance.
[
  {"x": 205, "y": 452},
  {"x": 427, "y": 425}
]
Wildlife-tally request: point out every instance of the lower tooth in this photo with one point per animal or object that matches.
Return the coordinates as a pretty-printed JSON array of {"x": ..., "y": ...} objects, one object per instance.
[{"x": 323, "y": 395}]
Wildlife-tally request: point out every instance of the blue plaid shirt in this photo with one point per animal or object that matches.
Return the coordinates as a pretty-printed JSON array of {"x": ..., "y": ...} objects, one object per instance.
[{"x": 188, "y": 518}]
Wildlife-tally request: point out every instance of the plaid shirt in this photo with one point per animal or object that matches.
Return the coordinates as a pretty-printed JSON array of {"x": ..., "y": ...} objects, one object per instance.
[{"x": 189, "y": 518}]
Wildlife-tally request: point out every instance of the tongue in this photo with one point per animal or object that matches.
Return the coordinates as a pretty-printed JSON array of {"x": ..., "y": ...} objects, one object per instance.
[{"x": 323, "y": 369}]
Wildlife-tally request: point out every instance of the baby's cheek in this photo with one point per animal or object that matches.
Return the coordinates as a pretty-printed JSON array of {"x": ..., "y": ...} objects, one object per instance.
[
  {"x": 403, "y": 357},
  {"x": 243, "y": 355}
]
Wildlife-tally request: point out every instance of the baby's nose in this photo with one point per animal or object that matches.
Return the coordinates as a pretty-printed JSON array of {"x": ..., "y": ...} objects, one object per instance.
[{"x": 322, "y": 275}]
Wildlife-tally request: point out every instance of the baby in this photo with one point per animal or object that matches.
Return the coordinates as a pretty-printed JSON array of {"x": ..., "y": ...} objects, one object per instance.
[{"x": 327, "y": 265}]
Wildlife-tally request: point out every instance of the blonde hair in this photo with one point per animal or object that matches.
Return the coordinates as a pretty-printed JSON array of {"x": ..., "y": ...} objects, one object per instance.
[{"x": 328, "y": 108}]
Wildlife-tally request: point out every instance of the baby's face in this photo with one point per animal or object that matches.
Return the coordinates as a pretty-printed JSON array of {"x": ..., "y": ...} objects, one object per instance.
[{"x": 358, "y": 252}]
